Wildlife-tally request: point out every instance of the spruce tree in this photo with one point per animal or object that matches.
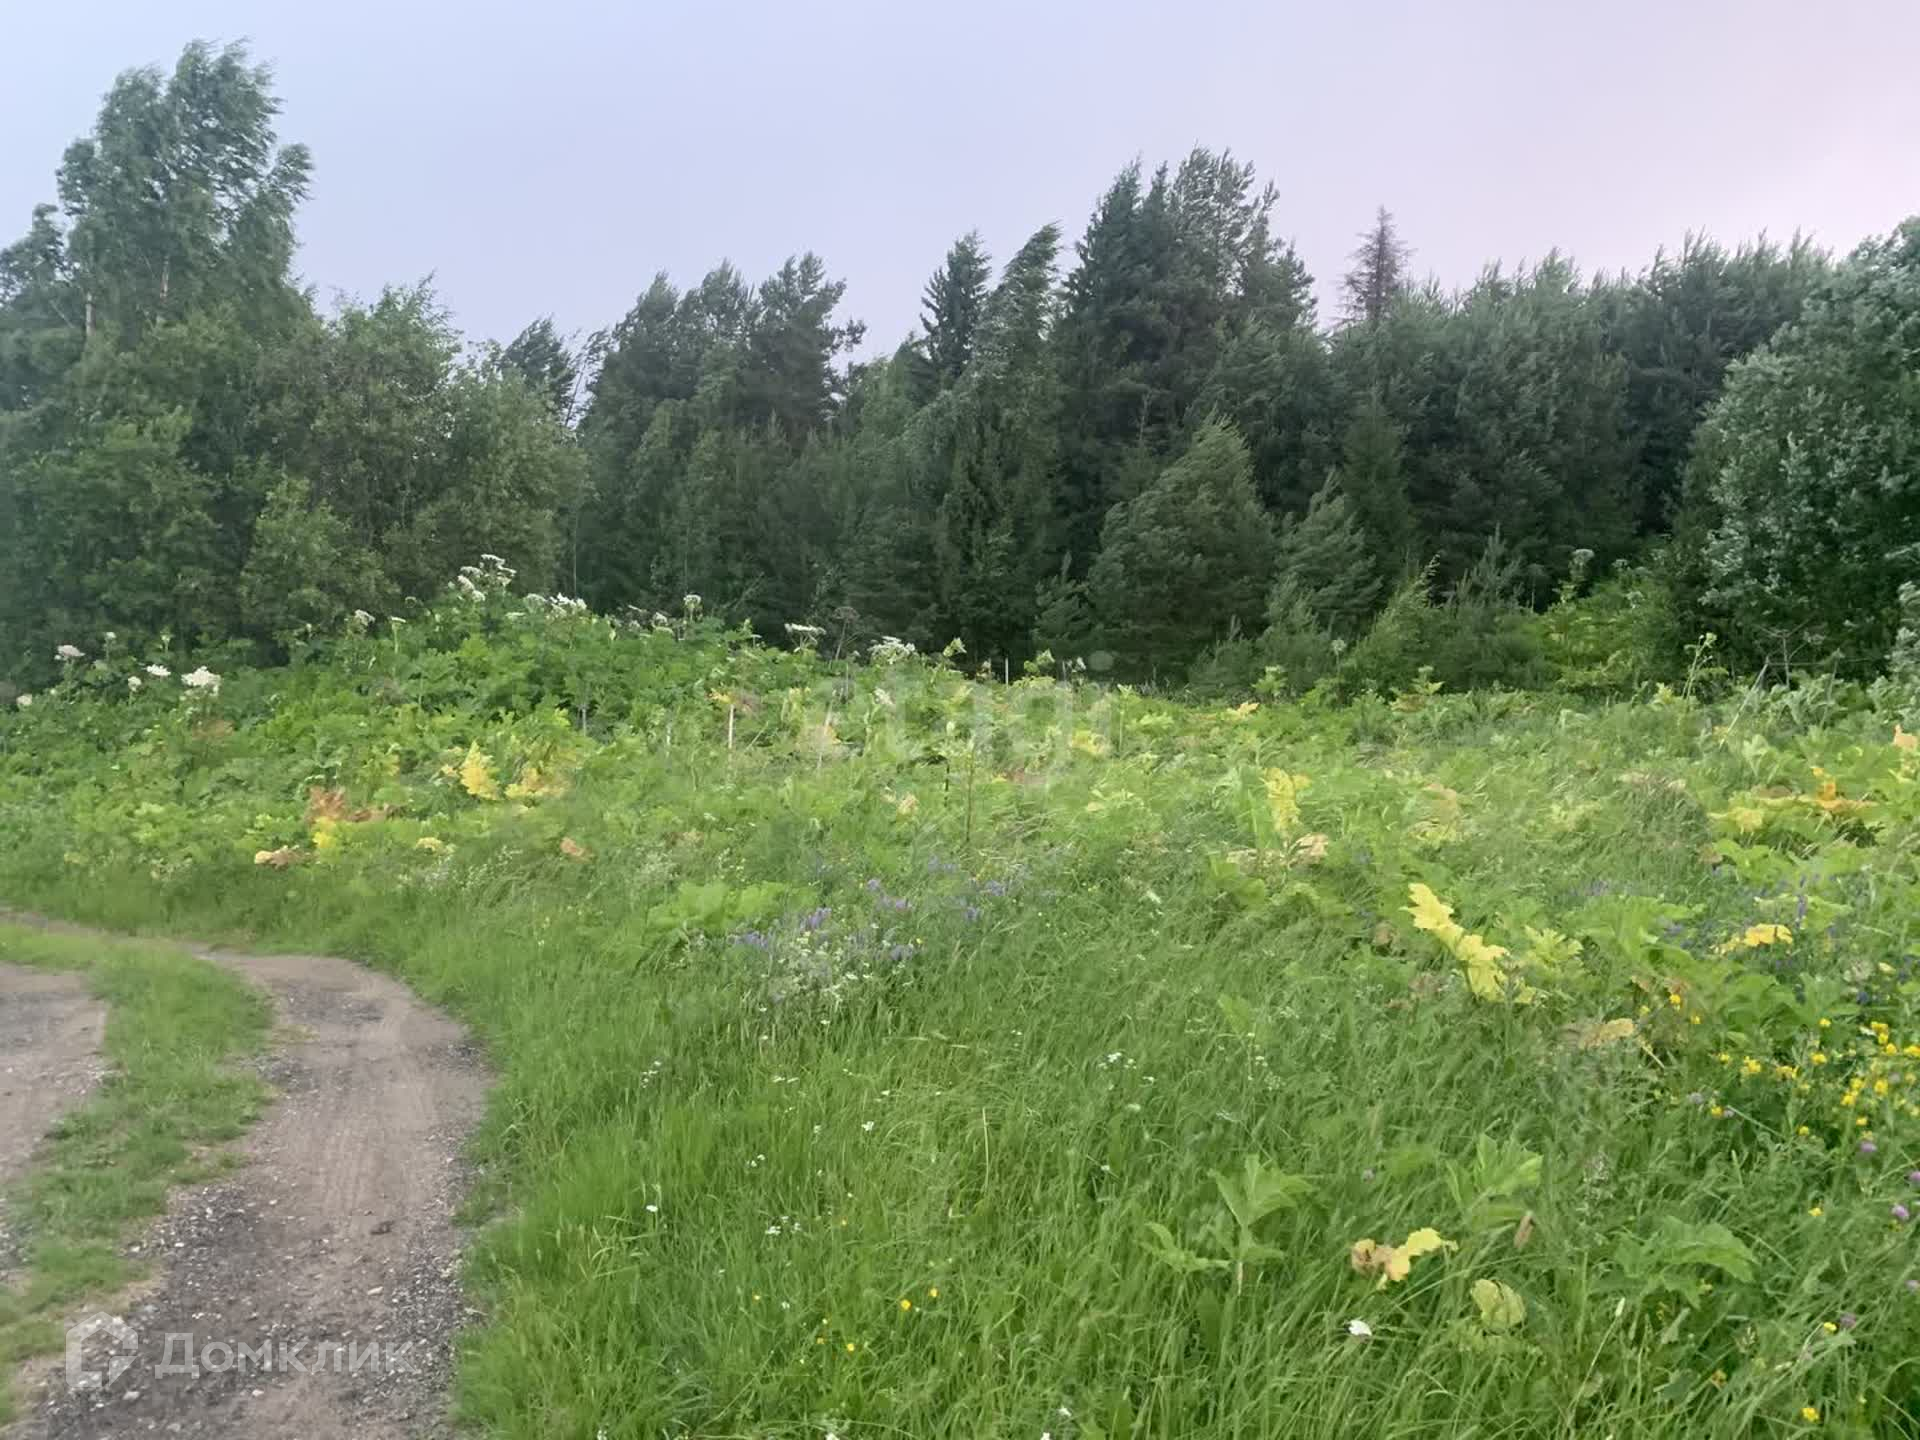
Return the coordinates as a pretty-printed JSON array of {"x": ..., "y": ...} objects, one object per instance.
[
  {"x": 1373, "y": 484},
  {"x": 1379, "y": 272},
  {"x": 1186, "y": 560},
  {"x": 1322, "y": 564},
  {"x": 951, "y": 310}
]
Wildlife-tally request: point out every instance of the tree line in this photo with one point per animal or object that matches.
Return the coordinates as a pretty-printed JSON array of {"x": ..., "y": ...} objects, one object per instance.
[{"x": 1145, "y": 447}]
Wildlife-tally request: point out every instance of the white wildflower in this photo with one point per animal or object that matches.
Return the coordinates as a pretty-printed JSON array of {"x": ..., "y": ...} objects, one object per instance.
[
  {"x": 890, "y": 650},
  {"x": 159, "y": 672},
  {"x": 68, "y": 653},
  {"x": 868, "y": 1127},
  {"x": 1359, "y": 1330},
  {"x": 133, "y": 682},
  {"x": 23, "y": 702},
  {"x": 202, "y": 679},
  {"x": 110, "y": 637}
]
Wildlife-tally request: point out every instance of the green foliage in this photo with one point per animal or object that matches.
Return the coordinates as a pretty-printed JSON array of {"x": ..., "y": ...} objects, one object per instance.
[
  {"x": 1322, "y": 566},
  {"x": 1014, "y": 979},
  {"x": 1622, "y": 635},
  {"x": 1806, "y": 466},
  {"x": 1185, "y": 559}
]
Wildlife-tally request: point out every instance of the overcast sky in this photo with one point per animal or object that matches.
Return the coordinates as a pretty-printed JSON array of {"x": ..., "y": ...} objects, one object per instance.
[{"x": 548, "y": 158}]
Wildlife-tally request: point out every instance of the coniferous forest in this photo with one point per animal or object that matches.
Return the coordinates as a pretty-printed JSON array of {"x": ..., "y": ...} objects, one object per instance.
[{"x": 1136, "y": 441}]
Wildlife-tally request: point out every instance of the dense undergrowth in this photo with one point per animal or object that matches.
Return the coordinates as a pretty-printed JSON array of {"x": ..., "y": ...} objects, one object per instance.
[{"x": 888, "y": 1052}]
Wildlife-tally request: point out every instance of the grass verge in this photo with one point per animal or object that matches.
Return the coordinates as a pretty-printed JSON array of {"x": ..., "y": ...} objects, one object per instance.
[{"x": 175, "y": 1026}]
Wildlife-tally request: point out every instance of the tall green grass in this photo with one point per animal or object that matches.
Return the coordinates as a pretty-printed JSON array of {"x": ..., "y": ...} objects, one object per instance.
[{"x": 740, "y": 1193}]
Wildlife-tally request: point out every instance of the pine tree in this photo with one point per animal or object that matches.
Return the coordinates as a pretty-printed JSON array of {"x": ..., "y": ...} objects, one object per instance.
[
  {"x": 1184, "y": 561},
  {"x": 1379, "y": 272}
]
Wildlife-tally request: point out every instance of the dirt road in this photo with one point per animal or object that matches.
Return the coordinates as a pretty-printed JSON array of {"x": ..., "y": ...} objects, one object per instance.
[
  {"x": 50, "y": 1030},
  {"x": 315, "y": 1288}
]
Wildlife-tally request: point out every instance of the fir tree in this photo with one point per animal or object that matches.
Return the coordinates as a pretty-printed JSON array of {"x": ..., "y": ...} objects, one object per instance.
[{"x": 1186, "y": 560}]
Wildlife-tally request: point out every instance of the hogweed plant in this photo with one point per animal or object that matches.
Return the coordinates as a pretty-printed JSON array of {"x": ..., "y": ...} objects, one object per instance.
[{"x": 821, "y": 981}]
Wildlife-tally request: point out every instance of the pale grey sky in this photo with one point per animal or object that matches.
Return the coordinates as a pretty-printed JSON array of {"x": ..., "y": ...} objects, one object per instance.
[{"x": 549, "y": 158}]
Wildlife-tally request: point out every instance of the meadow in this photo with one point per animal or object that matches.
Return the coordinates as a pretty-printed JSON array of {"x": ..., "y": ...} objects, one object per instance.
[{"x": 886, "y": 1050}]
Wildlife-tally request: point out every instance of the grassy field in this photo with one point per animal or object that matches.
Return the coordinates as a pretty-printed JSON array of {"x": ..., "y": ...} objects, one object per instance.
[
  {"x": 175, "y": 1026},
  {"x": 886, "y": 1053}
]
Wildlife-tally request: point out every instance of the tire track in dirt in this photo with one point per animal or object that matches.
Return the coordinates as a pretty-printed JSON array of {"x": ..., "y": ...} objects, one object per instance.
[
  {"x": 50, "y": 1032},
  {"x": 333, "y": 1239}
]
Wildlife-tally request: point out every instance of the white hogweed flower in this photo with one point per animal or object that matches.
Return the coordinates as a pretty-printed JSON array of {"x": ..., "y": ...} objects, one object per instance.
[
  {"x": 202, "y": 679},
  {"x": 23, "y": 702},
  {"x": 159, "y": 672},
  {"x": 68, "y": 653}
]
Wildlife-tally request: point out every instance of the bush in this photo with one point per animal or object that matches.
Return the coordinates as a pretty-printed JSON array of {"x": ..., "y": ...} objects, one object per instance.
[{"x": 1621, "y": 635}]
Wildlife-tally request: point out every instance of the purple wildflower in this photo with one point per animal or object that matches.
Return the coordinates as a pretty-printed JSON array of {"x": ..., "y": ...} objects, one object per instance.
[
  {"x": 1902, "y": 1214},
  {"x": 1913, "y": 1177},
  {"x": 874, "y": 884},
  {"x": 995, "y": 888},
  {"x": 1696, "y": 1097},
  {"x": 817, "y": 919},
  {"x": 1867, "y": 1147},
  {"x": 972, "y": 913},
  {"x": 1848, "y": 1320}
]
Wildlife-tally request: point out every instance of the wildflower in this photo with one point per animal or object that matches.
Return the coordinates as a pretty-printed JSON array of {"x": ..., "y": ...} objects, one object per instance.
[
  {"x": 1809, "y": 1414},
  {"x": 1716, "y": 1111},
  {"x": 1816, "y": 1211},
  {"x": 1825, "y": 1024},
  {"x": 202, "y": 679},
  {"x": 933, "y": 1292},
  {"x": 23, "y": 702},
  {"x": 851, "y": 1347},
  {"x": 1359, "y": 1330},
  {"x": 1819, "y": 1057},
  {"x": 1717, "y": 1378},
  {"x": 1803, "y": 1131},
  {"x": 133, "y": 684},
  {"x": 1830, "y": 1327},
  {"x": 1867, "y": 1147},
  {"x": 906, "y": 1304},
  {"x": 1749, "y": 1066},
  {"x": 159, "y": 672},
  {"x": 1913, "y": 1286},
  {"x": 1848, "y": 1320},
  {"x": 1694, "y": 1019},
  {"x": 653, "y": 1209},
  {"x": 1901, "y": 1213},
  {"x": 67, "y": 654},
  {"x": 867, "y": 1126},
  {"x": 1913, "y": 1177}
]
